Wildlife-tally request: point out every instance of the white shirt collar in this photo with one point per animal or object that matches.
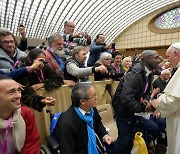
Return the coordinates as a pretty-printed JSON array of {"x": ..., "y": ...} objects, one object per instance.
[
  {"x": 147, "y": 71},
  {"x": 82, "y": 111}
]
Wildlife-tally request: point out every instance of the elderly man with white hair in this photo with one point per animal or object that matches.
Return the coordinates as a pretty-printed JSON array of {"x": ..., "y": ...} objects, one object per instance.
[
  {"x": 162, "y": 81},
  {"x": 169, "y": 103},
  {"x": 105, "y": 59}
]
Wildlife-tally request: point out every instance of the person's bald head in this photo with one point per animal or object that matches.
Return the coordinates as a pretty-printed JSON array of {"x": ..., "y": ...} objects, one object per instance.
[
  {"x": 150, "y": 59},
  {"x": 173, "y": 54},
  {"x": 148, "y": 53},
  {"x": 69, "y": 27}
]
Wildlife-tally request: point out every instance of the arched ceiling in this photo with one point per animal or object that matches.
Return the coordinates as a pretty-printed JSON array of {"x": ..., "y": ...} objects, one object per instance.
[{"x": 43, "y": 17}]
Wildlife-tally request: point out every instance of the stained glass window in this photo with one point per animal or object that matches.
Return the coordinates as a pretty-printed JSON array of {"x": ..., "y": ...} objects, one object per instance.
[{"x": 169, "y": 20}]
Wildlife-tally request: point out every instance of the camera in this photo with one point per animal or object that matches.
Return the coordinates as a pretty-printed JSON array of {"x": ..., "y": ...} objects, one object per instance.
[
  {"x": 113, "y": 46},
  {"x": 44, "y": 61}
]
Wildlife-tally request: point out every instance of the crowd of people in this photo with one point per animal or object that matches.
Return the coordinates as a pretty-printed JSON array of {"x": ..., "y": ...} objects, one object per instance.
[{"x": 138, "y": 97}]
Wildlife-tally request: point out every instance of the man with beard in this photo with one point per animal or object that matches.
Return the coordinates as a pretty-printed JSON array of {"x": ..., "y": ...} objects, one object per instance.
[
  {"x": 55, "y": 56},
  {"x": 131, "y": 97}
]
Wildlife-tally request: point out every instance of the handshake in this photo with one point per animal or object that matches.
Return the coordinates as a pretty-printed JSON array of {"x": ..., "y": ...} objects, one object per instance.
[{"x": 151, "y": 106}]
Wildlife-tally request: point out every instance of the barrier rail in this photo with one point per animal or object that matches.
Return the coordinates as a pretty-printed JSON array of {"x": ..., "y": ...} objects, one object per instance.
[{"x": 104, "y": 90}]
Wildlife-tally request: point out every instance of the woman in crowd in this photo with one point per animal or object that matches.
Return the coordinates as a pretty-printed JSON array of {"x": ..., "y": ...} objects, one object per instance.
[
  {"x": 44, "y": 77},
  {"x": 126, "y": 63},
  {"x": 105, "y": 59},
  {"x": 116, "y": 65}
]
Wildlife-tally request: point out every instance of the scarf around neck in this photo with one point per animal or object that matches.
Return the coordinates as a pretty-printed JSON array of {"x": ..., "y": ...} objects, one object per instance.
[
  {"x": 18, "y": 129},
  {"x": 92, "y": 149}
]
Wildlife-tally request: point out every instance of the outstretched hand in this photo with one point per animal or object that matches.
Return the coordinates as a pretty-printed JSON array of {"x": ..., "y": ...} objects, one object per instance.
[{"x": 49, "y": 101}]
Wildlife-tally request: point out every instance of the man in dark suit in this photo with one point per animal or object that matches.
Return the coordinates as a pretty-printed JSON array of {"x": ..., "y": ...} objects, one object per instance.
[
  {"x": 162, "y": 80},
  {"x": 78, "y": 125}
]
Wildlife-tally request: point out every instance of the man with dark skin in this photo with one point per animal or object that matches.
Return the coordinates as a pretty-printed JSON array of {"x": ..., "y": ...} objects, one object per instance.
[{"x": 131, "y": 97}]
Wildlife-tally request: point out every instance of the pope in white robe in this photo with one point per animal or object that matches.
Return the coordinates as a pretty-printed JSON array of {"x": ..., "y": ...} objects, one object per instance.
[{"x": 169, "y": 103}]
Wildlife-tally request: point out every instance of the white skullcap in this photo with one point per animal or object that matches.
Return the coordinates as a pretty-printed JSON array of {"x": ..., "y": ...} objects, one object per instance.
[
  {"x": 165, "y": 71},
  {"x": 176, "y": 45}
]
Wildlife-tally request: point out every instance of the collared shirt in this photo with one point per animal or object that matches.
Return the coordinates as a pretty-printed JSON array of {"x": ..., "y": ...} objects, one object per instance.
[
  {"x": 147, "y": 71},
  {"x": 82, "y": 111}
]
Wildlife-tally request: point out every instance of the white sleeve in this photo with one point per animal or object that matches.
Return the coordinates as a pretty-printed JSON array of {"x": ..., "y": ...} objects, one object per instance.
[{"x": 168, "y": 104}]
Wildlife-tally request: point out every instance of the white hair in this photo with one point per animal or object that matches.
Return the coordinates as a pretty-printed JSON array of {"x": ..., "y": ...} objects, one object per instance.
[
  {"x": 126, "y": 59},
  {"x": 104, "y": 55},
  {"x": 165, "y": 71}
]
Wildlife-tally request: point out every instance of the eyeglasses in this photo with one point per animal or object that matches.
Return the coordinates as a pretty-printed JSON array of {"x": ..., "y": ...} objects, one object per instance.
[
  {"x": 71, "y": 26},
  {"x": 94, "y": 96},
  {"x": 107, "y": 59},
  {"x": 8, "y": 42}
]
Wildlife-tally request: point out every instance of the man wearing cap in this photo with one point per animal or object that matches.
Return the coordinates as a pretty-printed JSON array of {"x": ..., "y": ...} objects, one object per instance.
[
  {"x": 131, "y": 97},
  {"x": 169, "y": 103}
]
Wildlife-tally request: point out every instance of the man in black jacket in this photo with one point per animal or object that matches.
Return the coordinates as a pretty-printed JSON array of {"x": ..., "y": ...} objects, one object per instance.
[
  {"x": 162, "y": 81},
  {"x": 77, "y": 126},
  {"x": 131, "y": 97}
]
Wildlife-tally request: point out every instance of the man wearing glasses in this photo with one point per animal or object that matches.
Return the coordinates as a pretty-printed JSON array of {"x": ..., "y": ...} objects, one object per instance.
[
  {"x": 10, "y": 54},
  {"x": 78, "y": 126},
  {"x": 72, "y": 39}
]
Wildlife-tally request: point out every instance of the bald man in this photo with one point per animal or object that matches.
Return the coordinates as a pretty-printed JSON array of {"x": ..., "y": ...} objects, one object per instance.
[
  {"x": 169, "y": 103},
  {"x": 129, "y": 100},
  {"x": 72, "y": 39}
]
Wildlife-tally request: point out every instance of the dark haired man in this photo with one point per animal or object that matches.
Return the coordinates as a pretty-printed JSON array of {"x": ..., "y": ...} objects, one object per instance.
[
  {"x": 77, "y": 126},
  {"x": 18, "y": 131},
  {"x": 131, "y": 97},
  {"x": 10, "y": 54},
  {"x": 96, "y": 48}
]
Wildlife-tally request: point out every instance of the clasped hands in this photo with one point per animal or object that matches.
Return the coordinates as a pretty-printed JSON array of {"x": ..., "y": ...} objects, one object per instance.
[{"x": 151, "y": 106}]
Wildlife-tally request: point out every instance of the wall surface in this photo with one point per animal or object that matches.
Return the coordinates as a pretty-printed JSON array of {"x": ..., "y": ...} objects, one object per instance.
[{"x": 138, "y": 36}]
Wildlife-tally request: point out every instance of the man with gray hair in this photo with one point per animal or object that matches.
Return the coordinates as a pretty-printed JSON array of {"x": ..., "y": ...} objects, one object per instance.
[
  {"x": 169, "y": 103},
  {"x": 78, "y": 126},
  {"x": 131, "y": 97},
  {"x": 162, "y": 81},
  {"x": 55, "y": 55}
]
